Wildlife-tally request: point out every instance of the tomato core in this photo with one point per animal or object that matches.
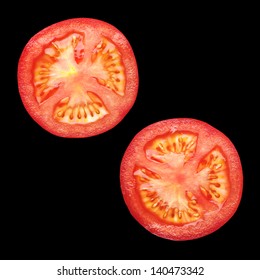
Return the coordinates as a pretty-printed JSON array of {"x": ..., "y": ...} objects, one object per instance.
[
  {"x": 176, "y": 191},
  {"x": 63, "y": 64}
]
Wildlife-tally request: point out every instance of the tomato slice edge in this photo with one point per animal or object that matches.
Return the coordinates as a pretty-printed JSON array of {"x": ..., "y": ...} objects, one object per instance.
[
  {"x": 148, "y": 220},
  {"x": 43, "y": 38}
]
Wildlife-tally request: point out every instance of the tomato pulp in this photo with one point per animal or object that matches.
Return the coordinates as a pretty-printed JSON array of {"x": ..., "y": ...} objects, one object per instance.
[
  {"x": 78, "y": 77},
  {"x": 181, "y": 179}
]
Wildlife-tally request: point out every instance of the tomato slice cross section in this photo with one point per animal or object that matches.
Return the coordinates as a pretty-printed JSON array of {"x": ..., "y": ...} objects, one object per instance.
[
  {"x": 78, "y": 77},
  {"x": 181, "y": 178}
]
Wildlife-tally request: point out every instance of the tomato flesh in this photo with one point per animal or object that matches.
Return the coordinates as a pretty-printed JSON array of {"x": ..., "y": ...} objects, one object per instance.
[
  {"x": 181, "y": 179},
  {"x": 80, "y": 80}
]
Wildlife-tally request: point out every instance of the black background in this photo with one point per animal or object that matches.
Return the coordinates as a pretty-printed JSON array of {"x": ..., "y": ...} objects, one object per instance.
[{"x": 61, "y": 198}]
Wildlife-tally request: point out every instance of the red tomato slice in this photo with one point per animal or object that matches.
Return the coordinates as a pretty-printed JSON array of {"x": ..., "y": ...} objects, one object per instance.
[
  {"x": 78, "y": 77},
  {"x": 181, "y": 179}
]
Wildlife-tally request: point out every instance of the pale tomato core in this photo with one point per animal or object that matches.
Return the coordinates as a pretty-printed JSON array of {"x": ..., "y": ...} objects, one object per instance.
[
  {"x": 177, "y": 192},
  {"x": 64, "y": 64}
]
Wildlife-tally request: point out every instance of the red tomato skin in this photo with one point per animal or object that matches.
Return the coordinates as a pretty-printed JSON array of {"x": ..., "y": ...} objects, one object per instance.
[
  {"x": 57, "y": 30},
  {"x": 134, "y": 154}
]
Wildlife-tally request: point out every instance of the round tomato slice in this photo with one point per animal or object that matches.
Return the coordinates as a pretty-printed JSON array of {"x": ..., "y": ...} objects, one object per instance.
[
  {"x": 181, "y": 179},
  {"x": 78, "y": 77}
]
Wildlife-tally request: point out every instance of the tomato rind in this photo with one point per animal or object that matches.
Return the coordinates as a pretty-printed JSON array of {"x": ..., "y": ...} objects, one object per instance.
[{"x": 208, "y": 137}]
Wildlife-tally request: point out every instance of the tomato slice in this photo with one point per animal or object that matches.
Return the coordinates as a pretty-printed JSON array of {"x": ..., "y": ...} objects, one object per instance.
[
  {"x": 181, "y": 178},
  {"x": 78, "y": 77}
]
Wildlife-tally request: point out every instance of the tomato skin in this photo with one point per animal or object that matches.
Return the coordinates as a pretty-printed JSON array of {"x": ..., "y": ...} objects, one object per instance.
[
  {"x": 93, "y": 30},
  {"x": 208, "y": 137}
]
